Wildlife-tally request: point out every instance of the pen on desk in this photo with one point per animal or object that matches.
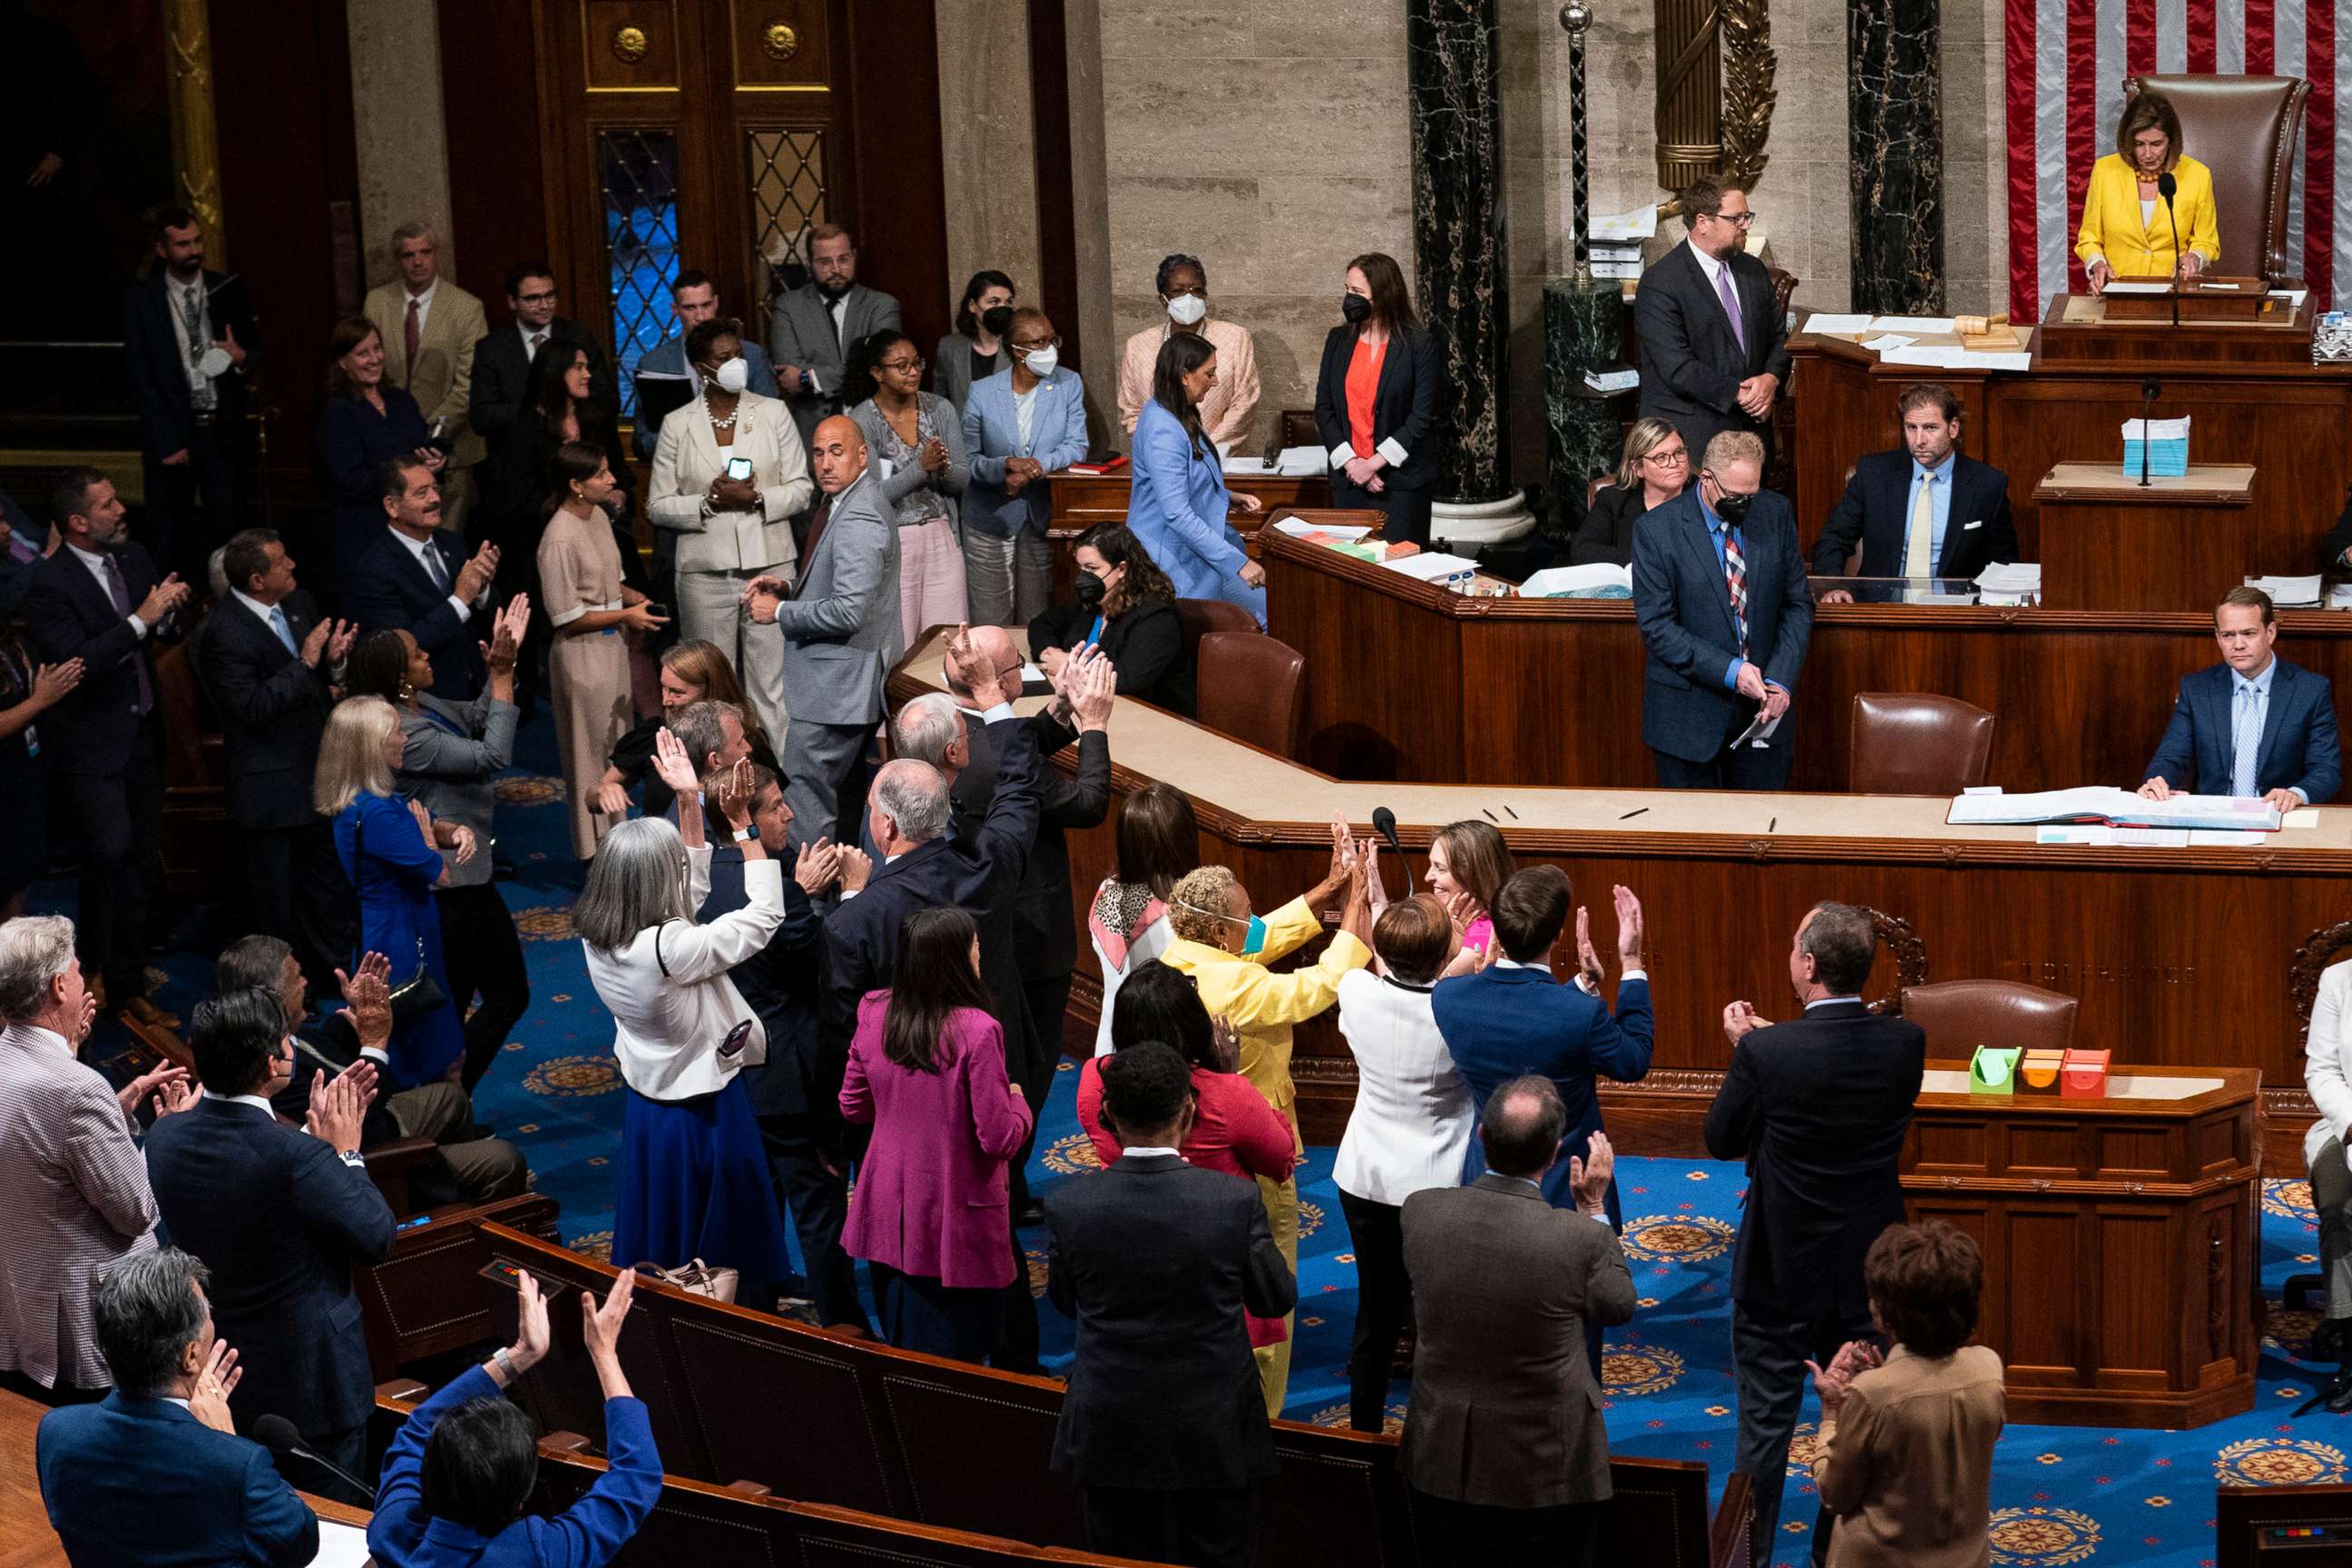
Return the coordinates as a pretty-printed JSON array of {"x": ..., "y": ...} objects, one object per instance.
[
  {"x": 1772, "y": 824},
  {"x": 1514, "y": 816},
  {"x": 1635, "y": 811},
  {"x": 1490, "y": 816}
]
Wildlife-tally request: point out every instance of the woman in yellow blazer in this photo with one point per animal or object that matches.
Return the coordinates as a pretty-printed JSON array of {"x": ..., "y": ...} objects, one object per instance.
[
  {"x": 2126, "y": 230},
  {"x": 1226, "y": 949}
]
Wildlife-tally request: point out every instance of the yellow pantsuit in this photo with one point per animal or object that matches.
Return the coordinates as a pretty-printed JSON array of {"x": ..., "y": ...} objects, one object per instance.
[
  {"x": 1262, "y": 1007},
  {"x": 2112, "y": 227}
]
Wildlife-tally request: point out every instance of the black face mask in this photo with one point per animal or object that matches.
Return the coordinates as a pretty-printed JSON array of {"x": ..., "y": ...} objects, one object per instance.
[
  {"x": 1356, "y": 308},
  {"x": 1733, "y": 508},
  {"x": 1090, "y": 589},
  {"x": 996, "y": 320}
]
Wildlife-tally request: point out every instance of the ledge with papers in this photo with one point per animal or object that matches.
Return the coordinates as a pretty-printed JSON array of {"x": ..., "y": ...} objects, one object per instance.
[{"x": 2115, "y": 808}]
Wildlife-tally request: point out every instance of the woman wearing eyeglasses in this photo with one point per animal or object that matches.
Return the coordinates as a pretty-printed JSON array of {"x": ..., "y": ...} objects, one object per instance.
[
  {"x": 1019, "y": 426},
  {"x": 1653, "y": 470},
  {"x": 915, "y": 440}
]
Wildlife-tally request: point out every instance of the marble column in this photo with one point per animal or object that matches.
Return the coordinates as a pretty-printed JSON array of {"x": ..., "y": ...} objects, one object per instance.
[
  {"x": 397, "y": 129},
  {"x": 1896, "y": 135},
  {"x": 1584, "y": 330},
  {"x": 1453, "y": 84}
]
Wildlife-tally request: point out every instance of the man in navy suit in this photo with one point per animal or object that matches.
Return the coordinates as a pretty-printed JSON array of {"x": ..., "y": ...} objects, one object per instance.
[
  {"x": 1721, "y": 595},
  {"x": 266, "y": 660},
  {"x": 1924, "y": 512},
  {"x": 411, "y": 579},
  {"x": 1714, "y": 349},
  {"x": 2254, "y": 724},
  {"x": 280, "y": 1217},
  {"x": 1514, "y": 1018},
  {"x": 187, "y": 336},
  {"x": 155, "y": 1475},
  {"x": 1819, "y": 1108},
  {"x": 781, "y": 983},
  {"x": 99, "y": 599}
]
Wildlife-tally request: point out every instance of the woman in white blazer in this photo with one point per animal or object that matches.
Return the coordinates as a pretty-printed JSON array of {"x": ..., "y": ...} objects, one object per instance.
[
  {"x": 693, "y": 1171},
  {"x": 1409, "y": 1129},
  {"x": 730, "y": 530},
  {"x": 2327, "y": 1074}
]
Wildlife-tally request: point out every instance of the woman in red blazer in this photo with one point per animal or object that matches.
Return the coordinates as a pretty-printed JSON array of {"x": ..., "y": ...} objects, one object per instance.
[
  {"x": 1234, "y": 1129},
  {"x": 930, "y": 1215}
]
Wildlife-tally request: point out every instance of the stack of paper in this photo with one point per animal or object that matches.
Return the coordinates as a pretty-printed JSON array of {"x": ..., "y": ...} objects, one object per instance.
[
  {"x": 1828, "y": 321},
  {"x": 2339, "y": 597},
  {"x": 1432, "y": 566},
  {"x": 1612, "y": 381},
  {"x": 1299, "y": 528},
  {"x": 2115, "y": 808},
  {"x": 2289, "y": 593},
  {"x": 1918, "y": 326},
  {"x": 1616, "y": 241},
  {"x": 2009, "y": 583},
  {"x": 1295, "y": 462},
  {"x": 1600, "y": 580},
  {"x": 2168, "y": 449}
]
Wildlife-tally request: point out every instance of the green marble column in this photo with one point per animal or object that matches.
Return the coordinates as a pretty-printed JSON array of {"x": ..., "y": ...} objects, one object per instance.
[
  {"x": 1584, "y": 330},
  {"x": 1895, "y": 131}
]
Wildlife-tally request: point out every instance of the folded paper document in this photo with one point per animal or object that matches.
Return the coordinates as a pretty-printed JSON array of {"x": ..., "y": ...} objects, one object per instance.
[
  {"x": 1600, "y": 580},
  {"x": 2115, "y": 808},
  {"x": 1433, "y": 566},
  {"x": 2289, "y": 593},
  {"x": 1299, "y": 528},
  {"x": 1832, "y": 322}
]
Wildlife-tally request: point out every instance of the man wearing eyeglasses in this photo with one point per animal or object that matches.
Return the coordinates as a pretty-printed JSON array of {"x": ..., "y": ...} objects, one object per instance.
[{"x": 1714, "y": 349}]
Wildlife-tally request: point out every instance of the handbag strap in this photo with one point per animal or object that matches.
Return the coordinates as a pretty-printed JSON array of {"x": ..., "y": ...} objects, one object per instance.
[{"x": 658, "y": 961}]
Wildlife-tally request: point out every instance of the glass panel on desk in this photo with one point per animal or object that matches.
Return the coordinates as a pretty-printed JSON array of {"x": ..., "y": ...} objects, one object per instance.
[{"x": 1897, "y": 590}]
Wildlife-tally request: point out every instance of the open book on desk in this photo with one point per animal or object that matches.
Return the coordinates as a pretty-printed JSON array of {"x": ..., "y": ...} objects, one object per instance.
[{"x": 2116, "y": 807}]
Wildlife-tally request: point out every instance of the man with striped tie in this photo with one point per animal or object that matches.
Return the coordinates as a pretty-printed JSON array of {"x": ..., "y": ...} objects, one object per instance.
[
  {"x": 1720, "y": 595},
  {"x": 2254, "y": 724}
]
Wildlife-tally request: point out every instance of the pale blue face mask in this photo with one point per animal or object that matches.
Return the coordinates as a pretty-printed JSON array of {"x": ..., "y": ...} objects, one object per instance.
[{"x": 1253, "y": 942}]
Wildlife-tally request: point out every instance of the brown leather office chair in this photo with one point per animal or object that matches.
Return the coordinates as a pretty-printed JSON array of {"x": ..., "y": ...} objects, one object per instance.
[
  {"x": 2243, "y": 128},
  {"x": 1252, "y": 688},
  {"x": 1298, "y": 428},
  {"x": 1915, "y": 742},
  {"x": 1196, "y": 619},
  {"x": 1961, "y": 1015}
]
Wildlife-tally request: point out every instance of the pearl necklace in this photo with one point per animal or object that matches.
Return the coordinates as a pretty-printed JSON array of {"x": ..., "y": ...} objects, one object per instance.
[{"x": 726, "y": 425}]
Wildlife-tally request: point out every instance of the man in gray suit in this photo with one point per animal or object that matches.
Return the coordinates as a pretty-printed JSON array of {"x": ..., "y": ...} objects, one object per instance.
[
  {"x": 810, "y": 328},
  {"x": 841, "y": 631},
  {"x": 1504, "y": 1448}
]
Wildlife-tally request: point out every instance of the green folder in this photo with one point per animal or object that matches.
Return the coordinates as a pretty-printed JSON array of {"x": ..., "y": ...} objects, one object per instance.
[{"x": 1993, "y": 1070}]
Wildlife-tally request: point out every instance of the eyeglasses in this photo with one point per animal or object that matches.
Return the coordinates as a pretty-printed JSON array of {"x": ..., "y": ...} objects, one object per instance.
[
  {"x": 1034, "y": 344},
  {"x": 1675, "y": 458},
  {"x": 1736, "y": 220},
  {"x": 902, "y": 364}
]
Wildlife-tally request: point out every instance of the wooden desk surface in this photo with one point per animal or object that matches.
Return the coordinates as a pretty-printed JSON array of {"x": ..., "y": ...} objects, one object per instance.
[
  {"x": 26, "y": 1539},
  {"x": 1405, "y": 680},
  {"x": 2206, "y": 484},
  {"x": 1725, "y": 878}
]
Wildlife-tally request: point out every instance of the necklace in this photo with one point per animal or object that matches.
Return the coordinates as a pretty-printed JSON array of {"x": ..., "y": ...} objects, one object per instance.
[{"x": 724, "y": 426}]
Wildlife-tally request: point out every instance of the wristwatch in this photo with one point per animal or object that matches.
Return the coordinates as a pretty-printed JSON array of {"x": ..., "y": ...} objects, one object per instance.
[
  {"x": 745, "y": 834},
  {"x": 506, "y": 1364}
]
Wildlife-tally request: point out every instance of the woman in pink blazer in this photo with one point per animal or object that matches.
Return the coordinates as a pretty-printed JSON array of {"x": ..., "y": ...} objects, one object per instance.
[{"x": 930, "y": 1215}]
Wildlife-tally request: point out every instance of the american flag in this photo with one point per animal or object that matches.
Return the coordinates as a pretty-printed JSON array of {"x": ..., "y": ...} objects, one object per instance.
[{"x": 2067, "y": 63}]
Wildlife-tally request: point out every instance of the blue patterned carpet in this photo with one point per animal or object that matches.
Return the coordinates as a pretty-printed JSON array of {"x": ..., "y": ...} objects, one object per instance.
[{"x": 2060, "y": 1495}]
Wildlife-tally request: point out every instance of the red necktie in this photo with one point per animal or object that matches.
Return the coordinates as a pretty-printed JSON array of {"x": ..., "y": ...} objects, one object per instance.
[
  {"x": 408, "y": 344},
  {"x": 817, "y": 520}
]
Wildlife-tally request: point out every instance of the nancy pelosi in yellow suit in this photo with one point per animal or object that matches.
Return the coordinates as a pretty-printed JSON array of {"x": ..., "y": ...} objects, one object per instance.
[{"x": 2128, "y": 232}]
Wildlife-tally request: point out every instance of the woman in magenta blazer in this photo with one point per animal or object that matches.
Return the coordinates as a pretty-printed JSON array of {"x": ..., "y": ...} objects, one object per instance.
[{"x": 930, "y": 1215}]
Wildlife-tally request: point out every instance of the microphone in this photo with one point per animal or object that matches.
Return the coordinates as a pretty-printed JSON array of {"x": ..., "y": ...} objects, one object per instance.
[
  {"x": 2165, "y": 186},
  {"x": 2149, "y": 389},
  {"x": 278, "y": 1436},
  {"x": 1384, "y": 824}
]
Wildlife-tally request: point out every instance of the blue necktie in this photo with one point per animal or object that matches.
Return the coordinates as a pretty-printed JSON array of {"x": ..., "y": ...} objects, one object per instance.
[
  {"x": 2248, "y": 742},
  {"x": 277, "y": 623}
]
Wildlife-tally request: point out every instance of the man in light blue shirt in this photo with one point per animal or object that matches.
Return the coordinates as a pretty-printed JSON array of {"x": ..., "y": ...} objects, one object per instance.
[
  {"x": 2254, "y": 725},
  {"x": 1924, "y": 510}
]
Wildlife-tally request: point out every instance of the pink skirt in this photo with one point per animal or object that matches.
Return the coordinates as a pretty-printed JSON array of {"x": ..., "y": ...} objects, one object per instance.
[{"x": 930, "y": 578}]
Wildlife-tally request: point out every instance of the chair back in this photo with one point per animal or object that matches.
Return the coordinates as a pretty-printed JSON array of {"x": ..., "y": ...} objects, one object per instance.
[
  {"x": 1298, "y": 428},
  {"x": 1915, "y": 742},
  {"x": 1196, "y": 619},
  {"x": 1961, "y": 1015},
  {"x": 1252, "y": 688},
  {"x": 2242, "y": 128}
]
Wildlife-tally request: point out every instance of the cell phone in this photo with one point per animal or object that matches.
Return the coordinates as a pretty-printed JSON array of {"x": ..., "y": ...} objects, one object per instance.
[
  {"x": 737, "y": 1038},
  {"x": 738, "y": 467},
  {"x": 438, "y": 438},
  {"x": 656, "y": 607}
]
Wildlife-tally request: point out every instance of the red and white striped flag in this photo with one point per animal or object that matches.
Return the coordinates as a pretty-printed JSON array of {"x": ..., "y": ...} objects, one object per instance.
[{"x": 2067, "y": 63}]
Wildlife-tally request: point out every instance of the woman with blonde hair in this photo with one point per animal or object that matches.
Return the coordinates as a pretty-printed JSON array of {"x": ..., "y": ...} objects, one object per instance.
[
  {"x": 1653, "y": 469},
  {"x": 391, "y": 849},
  {"x": 694, "y": 1179}
]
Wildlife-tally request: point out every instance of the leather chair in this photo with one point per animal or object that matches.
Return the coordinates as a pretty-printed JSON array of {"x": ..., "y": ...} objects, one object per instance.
[
  {"x": 1915, "y": 742},
  {"x": 1961, "y": 1015},
  {"x": 2244, "y": 128},
  {"x": 1298, "y": 428},
  {"x": 1196, "y": 619},
  {"x": 1252, "y": 688}
]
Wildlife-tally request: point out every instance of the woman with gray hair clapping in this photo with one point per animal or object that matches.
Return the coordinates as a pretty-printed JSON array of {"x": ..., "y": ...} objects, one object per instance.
[{"x": 694, "y": 1179}]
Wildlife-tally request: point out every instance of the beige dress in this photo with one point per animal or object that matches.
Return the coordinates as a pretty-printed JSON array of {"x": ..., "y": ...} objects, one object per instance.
[{"x": 580, "y": 571}]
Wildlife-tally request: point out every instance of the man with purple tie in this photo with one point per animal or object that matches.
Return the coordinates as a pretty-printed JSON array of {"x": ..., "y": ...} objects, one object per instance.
[
  {"x": 1715, "y": 347},
  {"x": 100, "y": 600}
]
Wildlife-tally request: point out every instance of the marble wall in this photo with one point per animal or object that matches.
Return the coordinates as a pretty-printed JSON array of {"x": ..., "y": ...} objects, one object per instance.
[
  {"x": 396, "y": 121},
  {"x": 1270, "y": 139},
  {"x": 989, "y": 143}
]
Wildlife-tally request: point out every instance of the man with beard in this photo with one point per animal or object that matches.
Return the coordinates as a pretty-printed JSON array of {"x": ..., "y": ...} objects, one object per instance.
[
  {"x": 188, "y": 336},
  {"x": 811, "y": 328}
]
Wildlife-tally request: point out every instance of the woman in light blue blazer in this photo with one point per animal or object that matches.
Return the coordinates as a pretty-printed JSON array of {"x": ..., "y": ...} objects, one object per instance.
[
  {"x": 1179, "y": 501},
  {"x": 1019, "y": 426}
]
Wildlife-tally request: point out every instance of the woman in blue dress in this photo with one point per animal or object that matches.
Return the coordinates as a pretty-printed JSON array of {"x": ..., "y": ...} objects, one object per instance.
[
  {"x": 1179, "y": 500},
  {"x": 391, "y": 849}
]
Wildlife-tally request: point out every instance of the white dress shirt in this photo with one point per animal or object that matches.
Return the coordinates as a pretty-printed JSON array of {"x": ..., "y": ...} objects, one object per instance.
[
  {"x": 177, "y": 296},
  {"x": 544, "y": 334},
  {"x": 436, "y": 567},
  {"x": 667, "y": 1026},
  {"x": 1411, "y": 1127},
  {"x": 423, "y": 303},
  {"x": 2327, "y": 1061},
  {"x": 96, "y": 565}
]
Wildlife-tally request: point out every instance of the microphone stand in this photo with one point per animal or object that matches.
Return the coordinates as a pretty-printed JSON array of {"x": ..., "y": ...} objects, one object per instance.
[
  {"x": 2149, "y": 391},
  {"x": 2165, "y": 186}
]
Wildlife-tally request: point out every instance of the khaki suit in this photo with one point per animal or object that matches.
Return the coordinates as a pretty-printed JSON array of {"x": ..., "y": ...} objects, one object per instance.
[{"x": 442, "y": 378}]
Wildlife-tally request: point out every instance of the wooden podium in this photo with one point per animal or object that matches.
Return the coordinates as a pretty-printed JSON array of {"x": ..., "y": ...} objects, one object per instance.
[
  {"x": 2110, "y": 543},
  {"x": 2119, "y": 1237}
]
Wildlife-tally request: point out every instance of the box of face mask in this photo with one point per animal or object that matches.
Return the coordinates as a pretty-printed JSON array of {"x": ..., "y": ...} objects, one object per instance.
[
  {"x": 2167, "y": 456},
  {"x": 1993, "y": 1070}
]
